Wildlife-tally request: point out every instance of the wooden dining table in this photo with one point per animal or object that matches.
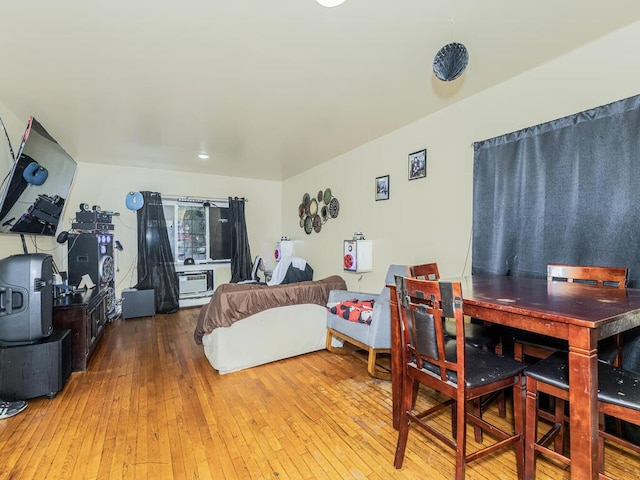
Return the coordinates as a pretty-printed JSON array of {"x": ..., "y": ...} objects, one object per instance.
[{"x": 580, "y": 313}]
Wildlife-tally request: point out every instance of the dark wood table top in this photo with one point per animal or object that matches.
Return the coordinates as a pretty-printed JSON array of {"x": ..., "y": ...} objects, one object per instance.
[{"x": 570, "y": 303}]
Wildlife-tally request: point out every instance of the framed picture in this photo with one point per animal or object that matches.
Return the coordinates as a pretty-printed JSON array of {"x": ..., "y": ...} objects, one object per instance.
[
  {"x": 418, "y": 164},
  {"x": 382, "y": 188}
]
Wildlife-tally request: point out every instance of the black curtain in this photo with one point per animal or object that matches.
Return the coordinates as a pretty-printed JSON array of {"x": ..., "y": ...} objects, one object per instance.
[
  {"x": 156, "y": 269},
  {"x": 566, "y": 191},
  {"x": 240, "y": 251}
]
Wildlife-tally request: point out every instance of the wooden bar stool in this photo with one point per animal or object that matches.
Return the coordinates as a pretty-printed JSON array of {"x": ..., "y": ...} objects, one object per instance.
[
  {"x": 618, "y": 396},
  {"x": 460, "y": 372}
]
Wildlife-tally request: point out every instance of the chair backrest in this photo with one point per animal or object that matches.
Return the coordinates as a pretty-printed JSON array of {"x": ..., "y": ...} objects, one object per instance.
[
  {"x": 420, "y": 303},
  {"x": 602, "y": 276},
  {"x": 425, "y": 271}
]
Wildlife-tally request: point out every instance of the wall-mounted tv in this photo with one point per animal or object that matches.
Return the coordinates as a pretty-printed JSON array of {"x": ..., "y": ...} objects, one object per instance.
[{"x": 38, "y": 185}]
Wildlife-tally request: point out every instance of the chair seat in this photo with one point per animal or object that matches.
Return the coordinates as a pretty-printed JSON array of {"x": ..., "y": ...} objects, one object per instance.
[
  {"x": 476, "y": 335},
  {"x": 615, "y": 385},
  {"x": 607, "y": 348},
  {"x": 482, "y": 367}
]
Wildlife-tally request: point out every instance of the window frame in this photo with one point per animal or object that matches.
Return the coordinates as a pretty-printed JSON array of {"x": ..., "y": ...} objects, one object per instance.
[{"x": 173, "y": 208}]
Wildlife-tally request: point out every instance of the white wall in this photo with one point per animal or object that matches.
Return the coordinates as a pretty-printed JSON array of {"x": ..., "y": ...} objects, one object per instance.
[
  {"x": 107, "y": 186},
  {"x": 429, "y": 219}
]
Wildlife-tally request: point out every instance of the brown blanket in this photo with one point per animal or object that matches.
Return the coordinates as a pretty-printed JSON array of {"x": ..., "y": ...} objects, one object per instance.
[{"x": 232, "y": 301}]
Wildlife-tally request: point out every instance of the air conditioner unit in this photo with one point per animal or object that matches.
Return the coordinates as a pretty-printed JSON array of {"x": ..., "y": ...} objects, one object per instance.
[{"x": 192, "y": 283}]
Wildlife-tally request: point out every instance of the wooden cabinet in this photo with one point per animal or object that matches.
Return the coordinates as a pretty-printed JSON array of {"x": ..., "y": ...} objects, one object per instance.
[{"x": 85, "y": 314}]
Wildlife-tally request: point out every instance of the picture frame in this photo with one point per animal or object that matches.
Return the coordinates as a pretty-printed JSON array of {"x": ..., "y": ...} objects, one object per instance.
[
  {"x": 382, "y": 188},
  {"x": 418, "y": 164}
]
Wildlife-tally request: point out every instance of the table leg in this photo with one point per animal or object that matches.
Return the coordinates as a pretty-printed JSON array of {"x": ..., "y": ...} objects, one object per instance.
[{"x": 583, "y": 404}]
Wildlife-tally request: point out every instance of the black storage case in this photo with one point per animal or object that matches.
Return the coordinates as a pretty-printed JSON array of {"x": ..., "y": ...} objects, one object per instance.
[
  {"x": 37, "y": 369},
  {"x": 138, "y": 303}
]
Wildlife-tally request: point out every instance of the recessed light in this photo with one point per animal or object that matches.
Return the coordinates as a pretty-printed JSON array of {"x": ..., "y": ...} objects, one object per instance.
[
  {"x": 330, "y": 3},
  {"x": 203, "y": 156}
]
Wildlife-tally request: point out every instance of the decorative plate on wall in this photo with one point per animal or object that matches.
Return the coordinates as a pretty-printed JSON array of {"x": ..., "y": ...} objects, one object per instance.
[
  {"x": 317, "y": 223},
  {"x": 327, "y": 196},
  {"x": 313, "y": 207},
  {"x": 306, "y": 198},
  {"x": 334, "y": 207},
  {"x": 308, "y": 225}
]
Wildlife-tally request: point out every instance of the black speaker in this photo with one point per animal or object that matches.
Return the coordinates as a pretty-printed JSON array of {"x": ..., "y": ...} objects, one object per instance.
[{"x": 91, "y": 254}]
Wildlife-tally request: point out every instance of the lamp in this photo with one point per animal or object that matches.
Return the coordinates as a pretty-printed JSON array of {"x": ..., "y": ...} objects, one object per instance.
[{"x": 330, "y": 3}]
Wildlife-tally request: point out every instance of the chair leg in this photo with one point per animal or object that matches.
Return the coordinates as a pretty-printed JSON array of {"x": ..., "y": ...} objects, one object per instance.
[
  {"x": 518, "y": 355},
  {"x": 477, "y": 411},
  {"x": 502, "y": 405},
  {"x": 403, "y": 430},
  {"x": 531, "y": 428},
  {"x": 454, "y": 421},
  {"x": 601, "y": 426},
  {"x": 558, "y": 442},
  {"x": 401, "y": 446},
  {"x": 414, "y": 393},
  {"x": 519, "y": 394},
  {"x": 328, "y": 340},
  {"x": 371, "y": 363},
  {"x": 372, "y": 368},
  {"x": 461, "y": 438}
]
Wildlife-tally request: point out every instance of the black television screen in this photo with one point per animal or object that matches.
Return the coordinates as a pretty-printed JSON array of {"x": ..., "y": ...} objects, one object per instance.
[{"x": 38, "y": 185}]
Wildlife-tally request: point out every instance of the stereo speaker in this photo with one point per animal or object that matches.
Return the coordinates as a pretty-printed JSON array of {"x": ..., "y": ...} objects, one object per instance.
[{"x": 91, "y": 254}]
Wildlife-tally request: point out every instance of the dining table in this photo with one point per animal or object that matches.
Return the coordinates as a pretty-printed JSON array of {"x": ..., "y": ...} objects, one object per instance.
[{"x": 580, "y": 313}]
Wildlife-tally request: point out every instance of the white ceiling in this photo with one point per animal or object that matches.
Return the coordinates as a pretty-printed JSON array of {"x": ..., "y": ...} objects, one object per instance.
[{"x": 268, "y": 88}]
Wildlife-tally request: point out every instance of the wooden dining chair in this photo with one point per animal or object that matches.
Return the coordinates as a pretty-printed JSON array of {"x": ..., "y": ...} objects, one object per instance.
[
  {"x": 618, "y": 397},
  {"x": 460, "y": 372},
  {"x": 477, "y": 335},
  {"x": 541, "y": 346}
]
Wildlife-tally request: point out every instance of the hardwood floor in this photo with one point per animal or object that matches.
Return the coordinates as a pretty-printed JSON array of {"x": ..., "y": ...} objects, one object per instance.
[{"x": 151, "y": 406}]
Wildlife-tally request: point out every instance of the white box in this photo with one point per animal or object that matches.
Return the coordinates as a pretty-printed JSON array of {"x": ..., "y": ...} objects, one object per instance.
[
  {"x": 284, "y": 248},
  {"x": 358, "y": 255}
]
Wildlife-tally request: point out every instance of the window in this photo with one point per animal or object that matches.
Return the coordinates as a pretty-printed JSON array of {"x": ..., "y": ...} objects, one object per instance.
[{"x": 198, "y": 231}]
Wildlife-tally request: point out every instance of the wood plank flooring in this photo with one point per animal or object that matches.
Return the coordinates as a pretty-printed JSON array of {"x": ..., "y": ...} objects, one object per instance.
[{"x": 151, "y": 406}]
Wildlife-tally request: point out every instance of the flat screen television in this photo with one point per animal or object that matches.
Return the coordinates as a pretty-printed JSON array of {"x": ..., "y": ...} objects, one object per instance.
[
  {"x": 38, "y": 184},
  {"x": 26, "y": 298}
]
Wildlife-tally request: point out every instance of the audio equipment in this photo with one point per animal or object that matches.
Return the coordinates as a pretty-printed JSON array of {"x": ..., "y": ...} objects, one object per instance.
[
  {"x": 92, "y": 227},
  {"x": 92, "y": 254},
  {"x": 88, "y": 217}
]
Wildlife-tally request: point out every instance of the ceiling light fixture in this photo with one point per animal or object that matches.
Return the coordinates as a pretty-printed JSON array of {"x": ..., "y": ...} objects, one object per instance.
[
  {"x": 203, "y": 156},
  {"x": 330, "y": 3}
]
